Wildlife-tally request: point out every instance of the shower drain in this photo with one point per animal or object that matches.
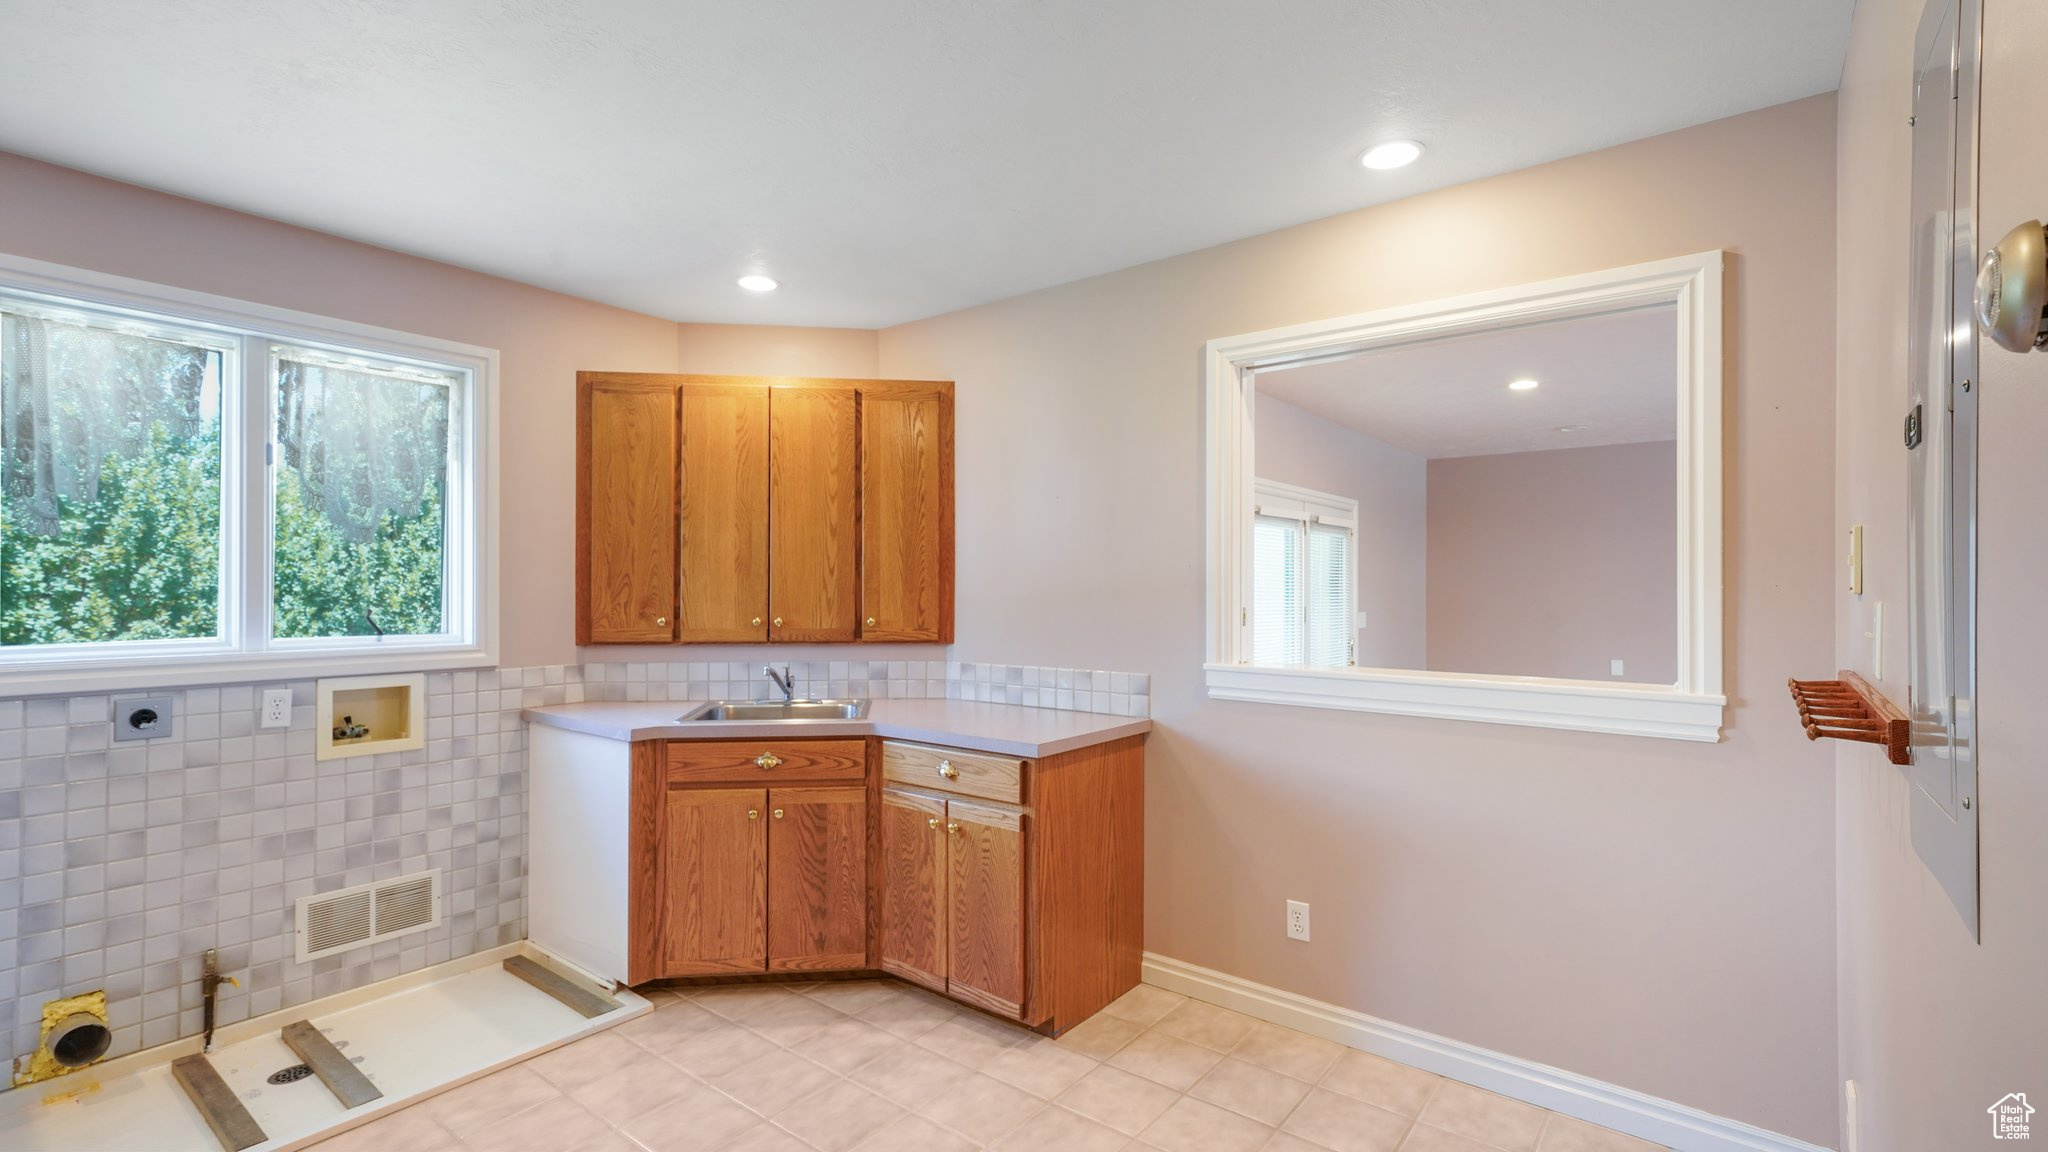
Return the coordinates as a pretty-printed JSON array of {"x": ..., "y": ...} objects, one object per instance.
[{"x": 290, "y": 1075}]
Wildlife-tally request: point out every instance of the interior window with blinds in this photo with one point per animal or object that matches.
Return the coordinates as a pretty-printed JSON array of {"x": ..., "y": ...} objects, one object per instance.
[{"x": 1302, "y": 573}]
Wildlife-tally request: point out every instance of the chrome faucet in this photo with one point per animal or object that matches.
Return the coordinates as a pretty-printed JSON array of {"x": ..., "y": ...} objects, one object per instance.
[{"x": 785, "y": 681}]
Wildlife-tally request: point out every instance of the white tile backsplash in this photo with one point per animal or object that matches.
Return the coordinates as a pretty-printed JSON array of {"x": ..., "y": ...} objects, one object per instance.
[
  {"x": 1114, "y": 693},
  {"x": 121, "y": 862}
]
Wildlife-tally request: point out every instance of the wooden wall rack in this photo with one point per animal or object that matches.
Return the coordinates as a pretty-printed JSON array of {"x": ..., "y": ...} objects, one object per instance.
[{"x": 1852, "y": 709}]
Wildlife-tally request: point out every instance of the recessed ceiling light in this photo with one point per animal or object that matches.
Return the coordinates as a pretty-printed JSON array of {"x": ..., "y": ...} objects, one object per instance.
[
  {"x": 1392, "y": 154},
  {"x": 1522, "y": 385},
  {"x": 757, "y": 283}
]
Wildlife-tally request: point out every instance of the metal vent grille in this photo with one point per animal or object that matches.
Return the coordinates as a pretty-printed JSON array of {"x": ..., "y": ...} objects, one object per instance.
[
  {"x": 338, "y": 921},
  {"x": 408, "y": 903}
]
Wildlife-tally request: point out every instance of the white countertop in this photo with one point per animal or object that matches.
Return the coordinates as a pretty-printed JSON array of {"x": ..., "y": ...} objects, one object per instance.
[{"x": 1005, "y": 729}]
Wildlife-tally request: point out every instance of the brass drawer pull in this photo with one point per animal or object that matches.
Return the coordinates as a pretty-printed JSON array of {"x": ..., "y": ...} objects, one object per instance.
[
  {"x": 753, "y": 813},
  {"x": 947, "y": 770},
  {"x": 767, "y": 760}
]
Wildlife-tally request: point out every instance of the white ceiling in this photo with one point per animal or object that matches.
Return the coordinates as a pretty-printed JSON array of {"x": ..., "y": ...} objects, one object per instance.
[
  {"x": 1612, "y": 379},
  {"x": 884, "y": 159}
]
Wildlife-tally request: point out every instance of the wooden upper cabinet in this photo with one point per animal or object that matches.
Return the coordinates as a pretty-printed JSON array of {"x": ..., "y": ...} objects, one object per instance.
[
  {"x": 985, "y": 906},
  {"x": 626, "y": 508},
  {"x": 724, "y": 513},
  {"x": 716, "y": 858},
  {"x": 814, "y": 520},
  {"x": 817, "y": 878},
  {"x": 906, "y": 510},
  {"x": 749, "y": 509},
  {"x": 911, "y": 888}
]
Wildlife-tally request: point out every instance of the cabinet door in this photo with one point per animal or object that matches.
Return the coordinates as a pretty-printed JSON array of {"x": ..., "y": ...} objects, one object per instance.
[
  {"x": 817, "y": 878},
  {"x": 717, "y": 898},
  {"x": 724, "y": 515},
  {"x": 912, "y": 887},
  {"x": 625, "y": 509},
  {"x": 985, "y": 906},
  {"x": 906, "y": 513},
  {"x": 813, "y": 520}
]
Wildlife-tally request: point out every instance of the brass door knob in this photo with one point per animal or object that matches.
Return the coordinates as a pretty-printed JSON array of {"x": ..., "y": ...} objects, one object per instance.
[
  {"x": 767, "y": 760},
  {"x": 757, "y": 621},
  {"x": 947, "y": 770},
  {"x": 778, "y": 621},
  {"x": 778, "y": 813},
  {"x": 753, "y": 813},
  {"x": 952, "y": 826},
  {"x": 871, "y": 621},
  {"x": 934, "y": 822}
]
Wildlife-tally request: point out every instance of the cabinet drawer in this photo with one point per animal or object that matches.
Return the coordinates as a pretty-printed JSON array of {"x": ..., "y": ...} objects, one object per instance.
[
  {"x": 765, "y": 761},
  {"x": 951, "y": 770}
]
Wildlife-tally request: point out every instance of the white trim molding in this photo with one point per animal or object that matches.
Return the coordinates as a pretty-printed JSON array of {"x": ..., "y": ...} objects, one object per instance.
[
  {"x": 1691, "y": 708},
  {"x": 1594, "y": 1101}
]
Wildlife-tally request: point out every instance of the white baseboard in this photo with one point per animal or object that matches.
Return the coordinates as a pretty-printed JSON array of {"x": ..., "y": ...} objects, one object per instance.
[{"x": 1608, "y": 1105}]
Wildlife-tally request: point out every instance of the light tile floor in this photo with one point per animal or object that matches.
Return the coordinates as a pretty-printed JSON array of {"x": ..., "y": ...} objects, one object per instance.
[{"x": 879, "y": 1066}]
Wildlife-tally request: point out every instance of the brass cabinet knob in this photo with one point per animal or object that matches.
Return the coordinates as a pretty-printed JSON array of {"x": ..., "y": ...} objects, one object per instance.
[
  {"x": 871, "y": 621},
  {"x": 934, "y": 822},
  {"x": 778, "y": 813},
  {"x": 661, "y": 621},
  {"x": 947, "y": 770},
  {"x": 757, "y": 622},
  {"x": 753, "y": 813},
  {"x": 767, "y": 760},
  {"x": 952, "y": 826},
  {"x": 778, "y": 621}
]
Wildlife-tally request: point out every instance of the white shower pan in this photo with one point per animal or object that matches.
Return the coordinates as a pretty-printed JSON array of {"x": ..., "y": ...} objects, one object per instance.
[{"x": 414, "y": 1036}]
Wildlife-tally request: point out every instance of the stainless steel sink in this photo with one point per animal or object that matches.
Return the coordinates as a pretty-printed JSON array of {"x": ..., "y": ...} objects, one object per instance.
[{"x": 756, "y": 710}]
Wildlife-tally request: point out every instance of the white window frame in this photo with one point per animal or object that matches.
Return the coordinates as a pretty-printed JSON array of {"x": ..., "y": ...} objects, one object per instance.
[
  {"x": 244, "y": 650},
  {"x": 1308, "y": 507},
  {"x": 1691, "y": 708}
]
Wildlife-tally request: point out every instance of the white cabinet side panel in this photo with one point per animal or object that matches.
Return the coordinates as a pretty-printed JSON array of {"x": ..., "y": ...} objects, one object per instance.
[{"x": 580, "y": 790}]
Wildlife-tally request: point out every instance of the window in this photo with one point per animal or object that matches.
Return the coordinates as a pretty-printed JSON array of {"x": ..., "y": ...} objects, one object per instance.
[
  {"x": 1302, "y": 577},
  {"x": 191, "y": 489}
]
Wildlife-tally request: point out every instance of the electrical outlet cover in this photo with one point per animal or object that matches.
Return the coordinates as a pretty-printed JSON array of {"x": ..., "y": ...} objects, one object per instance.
[
  {"x": 144, "y": 717},
  {"x": 1297, "y": 920},
  {"x": 276, "y": 709}
]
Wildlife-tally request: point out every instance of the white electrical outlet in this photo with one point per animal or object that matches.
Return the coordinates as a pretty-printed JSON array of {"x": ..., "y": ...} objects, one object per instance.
[
  {"x": 277, "y": 709},
  {"x": 1297, "y": 920},
  {"x": 1614, "y": 667}
]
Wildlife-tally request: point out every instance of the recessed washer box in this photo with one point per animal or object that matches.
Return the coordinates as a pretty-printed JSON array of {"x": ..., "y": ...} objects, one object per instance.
[{"x": 367, "y": 715}]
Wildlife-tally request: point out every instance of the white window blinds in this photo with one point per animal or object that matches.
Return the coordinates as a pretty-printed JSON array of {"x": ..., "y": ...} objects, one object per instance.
[{"x": 1302, "y": 577}]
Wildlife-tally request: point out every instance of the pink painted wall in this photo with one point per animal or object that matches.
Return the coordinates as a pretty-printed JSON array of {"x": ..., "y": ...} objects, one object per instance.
[
  {"x": 1556, "y": 563},
  {"x": 1295, "y": 446},
  {"x": 1652, "y": 913},
  {"x": 1935, "y": 1027}
]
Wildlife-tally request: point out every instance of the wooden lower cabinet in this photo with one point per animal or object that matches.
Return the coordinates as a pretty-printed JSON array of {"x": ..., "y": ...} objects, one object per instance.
[
  {"x": 985, "y": 906},
  {"x": 717, "y": 881},
  {"x": 817, "y": 879},
  {"x": 912, "y": 887},
  {"x": 844, "y": 855}
]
